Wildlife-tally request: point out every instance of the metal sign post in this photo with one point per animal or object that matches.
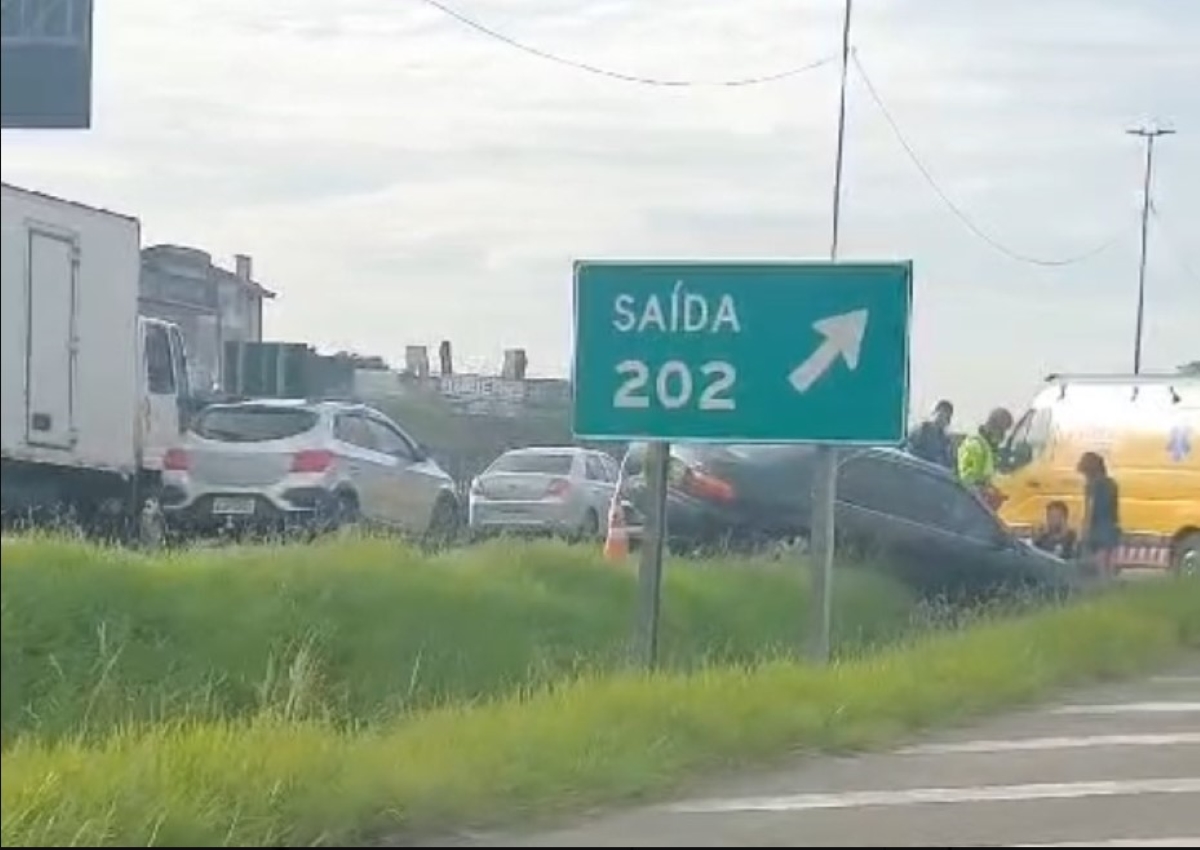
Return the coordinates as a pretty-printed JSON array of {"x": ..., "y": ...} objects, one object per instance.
[
  {"x": 650, "y": 567},
  {"x": 823, "y": 535},
  {"x": 823, "y": 539}
]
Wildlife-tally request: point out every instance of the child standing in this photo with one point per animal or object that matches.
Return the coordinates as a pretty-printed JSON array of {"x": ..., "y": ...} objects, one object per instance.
[{"x": 1102, "y": 514}]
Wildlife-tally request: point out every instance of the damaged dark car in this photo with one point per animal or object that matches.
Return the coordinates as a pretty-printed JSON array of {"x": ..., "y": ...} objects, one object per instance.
[{"x": 913, "y": 518}]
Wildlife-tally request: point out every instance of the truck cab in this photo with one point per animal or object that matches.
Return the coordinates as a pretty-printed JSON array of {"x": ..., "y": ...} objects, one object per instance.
[
  {"x": 166, "y": 401},
  {"x": 92, "y": 394}
]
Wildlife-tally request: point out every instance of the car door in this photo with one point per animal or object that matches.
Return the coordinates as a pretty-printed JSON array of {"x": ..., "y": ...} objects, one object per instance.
[
  {"x": 600, "y": 485},
  {"x": 160, "y": 403},
  {"x": 966, "y": 539},
  {"x": 613, "y": 466},
  {"x": 365, "y": 465},
  {"x": 877, "y": 516},
  {"x": 614, "y": 475},
  {"x": 414, "y": 482}
]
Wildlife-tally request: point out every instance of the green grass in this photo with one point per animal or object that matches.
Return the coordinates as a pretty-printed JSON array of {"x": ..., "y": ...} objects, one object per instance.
[
  {"x": 276, "y": 781},
  {"x": 357, "y": 632}
]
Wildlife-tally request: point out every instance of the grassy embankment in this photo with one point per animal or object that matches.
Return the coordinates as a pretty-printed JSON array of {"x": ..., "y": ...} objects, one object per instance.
[
  {"x": 316, "y": 695},
  {"x": 359, "y": 631}
]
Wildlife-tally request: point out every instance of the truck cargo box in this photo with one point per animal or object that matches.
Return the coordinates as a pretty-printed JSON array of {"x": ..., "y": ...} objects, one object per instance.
[{"x": 69, "y": 333}]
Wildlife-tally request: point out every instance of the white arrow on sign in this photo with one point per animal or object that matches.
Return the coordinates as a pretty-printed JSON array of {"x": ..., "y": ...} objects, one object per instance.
[{"x": 843, "y": 338}]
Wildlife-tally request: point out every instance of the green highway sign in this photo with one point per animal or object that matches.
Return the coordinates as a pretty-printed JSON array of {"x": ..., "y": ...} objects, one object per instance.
[{"x": 742, "y": 352}]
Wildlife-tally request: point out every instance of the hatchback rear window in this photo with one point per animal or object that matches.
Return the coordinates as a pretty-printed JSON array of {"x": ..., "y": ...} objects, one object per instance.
[
  {"x": 253, "y": 424},
  {"x": 535, "y": 462}
]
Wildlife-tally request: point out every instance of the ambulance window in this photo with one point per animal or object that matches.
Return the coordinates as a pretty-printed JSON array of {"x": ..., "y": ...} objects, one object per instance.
[{"x": 1030, "y": 438}]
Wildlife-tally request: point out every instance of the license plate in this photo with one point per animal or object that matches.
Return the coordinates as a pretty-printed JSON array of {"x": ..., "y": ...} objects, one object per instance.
[{"x": 233, "y": 506}]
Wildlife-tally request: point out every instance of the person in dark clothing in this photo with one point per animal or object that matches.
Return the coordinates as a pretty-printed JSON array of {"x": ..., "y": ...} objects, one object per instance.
[
  {"x": 1056, "y": 536},
  {"x": 931, "y": 439},
  {"x": 1102, "y": 513}
]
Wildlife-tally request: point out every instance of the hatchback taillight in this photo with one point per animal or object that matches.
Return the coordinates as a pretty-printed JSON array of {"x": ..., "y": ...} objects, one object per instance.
[
  {"x": 312, "y": 460},
  {"x": 176, "y": 460},
  {"x": 558, "y": 488}
]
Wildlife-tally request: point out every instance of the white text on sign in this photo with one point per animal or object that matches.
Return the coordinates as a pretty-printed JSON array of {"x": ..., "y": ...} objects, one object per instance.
[
  {"x": 682, "y": 312},
  {"x": 674, "y": 385}
]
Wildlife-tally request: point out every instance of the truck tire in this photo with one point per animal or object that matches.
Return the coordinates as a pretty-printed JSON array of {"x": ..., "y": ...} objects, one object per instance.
[
  {"x": 1185, "y": 560},
  {"x": 151, "y": 525}
]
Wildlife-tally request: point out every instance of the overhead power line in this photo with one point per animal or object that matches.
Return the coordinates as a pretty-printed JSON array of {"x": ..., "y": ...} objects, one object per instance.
[
  {"x": 954, "y": 207},
  {"x": 663, "y": 82},
  {"x": 740, "y": 82}
]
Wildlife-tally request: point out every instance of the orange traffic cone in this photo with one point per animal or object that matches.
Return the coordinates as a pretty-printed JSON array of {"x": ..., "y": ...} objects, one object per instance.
[{"x": 616, "y": 542}]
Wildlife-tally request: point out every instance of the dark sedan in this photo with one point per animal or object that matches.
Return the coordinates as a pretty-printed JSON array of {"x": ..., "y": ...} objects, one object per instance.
[{"x": 912, "y": 516}]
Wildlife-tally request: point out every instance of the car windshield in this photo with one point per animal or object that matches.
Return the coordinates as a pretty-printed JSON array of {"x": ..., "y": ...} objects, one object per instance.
[
  {"x": 253, "y": 424},
  {"x": 534, "y": 462}
]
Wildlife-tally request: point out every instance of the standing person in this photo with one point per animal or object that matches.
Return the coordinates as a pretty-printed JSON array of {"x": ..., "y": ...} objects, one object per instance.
[
  {"x": 978, "y": 456},
  {"x": 931, "y": 439},
  {"x": 1101, "y": 531}
]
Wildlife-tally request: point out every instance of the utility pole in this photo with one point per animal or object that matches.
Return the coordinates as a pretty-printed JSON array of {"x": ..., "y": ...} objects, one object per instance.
[
  {"x": 824, "y": 508},
  {"x": 1150, "y": 134},
  {"x": 839, "y": 157}
]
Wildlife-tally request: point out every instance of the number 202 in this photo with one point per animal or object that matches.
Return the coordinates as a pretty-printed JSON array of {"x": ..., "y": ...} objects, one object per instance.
[{"x": 674, "y": 385}]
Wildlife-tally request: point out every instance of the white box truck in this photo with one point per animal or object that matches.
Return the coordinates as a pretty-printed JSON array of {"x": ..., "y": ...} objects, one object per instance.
[{"x": 93, "y": 394}]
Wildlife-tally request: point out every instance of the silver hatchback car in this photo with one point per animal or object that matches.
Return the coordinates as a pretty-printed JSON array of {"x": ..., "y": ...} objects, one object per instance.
[
  {"x": 280, "y": 464},
  {"x": 562, "y": 491}
]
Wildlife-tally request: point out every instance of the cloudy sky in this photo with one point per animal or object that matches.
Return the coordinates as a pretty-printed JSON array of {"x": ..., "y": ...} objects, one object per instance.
[{"x": 400, "y": 178}]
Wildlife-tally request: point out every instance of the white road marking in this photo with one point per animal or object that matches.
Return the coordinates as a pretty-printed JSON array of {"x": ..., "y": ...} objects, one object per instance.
[
  {"x": 1175, "y": 680},
  {"x": 931, "y": 796},
  {"x": 1132, "y": 708},
  {"x": 1080, "y": 742},
  {"x": 1126, "y": 842}
]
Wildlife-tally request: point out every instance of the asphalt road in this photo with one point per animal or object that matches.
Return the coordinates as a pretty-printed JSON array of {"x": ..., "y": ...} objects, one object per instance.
[{"x": 1117, "y": 766}]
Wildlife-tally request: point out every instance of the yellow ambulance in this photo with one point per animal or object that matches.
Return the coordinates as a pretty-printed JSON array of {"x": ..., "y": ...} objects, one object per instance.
[{"x": 1146, "y": 427}]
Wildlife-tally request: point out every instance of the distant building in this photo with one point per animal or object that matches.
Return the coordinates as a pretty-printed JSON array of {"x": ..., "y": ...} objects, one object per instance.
[
  {"x": 510, "y": 394},
  {"x": 211, "y": 305},
  {"x": 495, "y": 395}
]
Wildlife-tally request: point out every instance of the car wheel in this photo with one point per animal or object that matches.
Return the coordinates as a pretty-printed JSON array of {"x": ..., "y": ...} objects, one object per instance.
[
  {"x": 1186, "y": 559},
  {"x": 444, "y": 523},
  {"x": 344, "y": 513},
  {"x": 590, "y": 528}
]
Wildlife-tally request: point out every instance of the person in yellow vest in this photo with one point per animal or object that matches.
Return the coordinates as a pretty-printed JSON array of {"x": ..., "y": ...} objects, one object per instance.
[{"x": 978, "y": 456}]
